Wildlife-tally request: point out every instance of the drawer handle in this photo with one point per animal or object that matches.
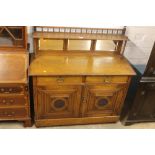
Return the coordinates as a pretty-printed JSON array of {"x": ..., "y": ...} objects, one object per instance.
[
  {"x": 60, "y": 80},
  {"x": 84, "y": 100},
  {"x": 5, "y": 101},
  {"x": 107, "y": 80},
  {"x": 9, "y": 114}
]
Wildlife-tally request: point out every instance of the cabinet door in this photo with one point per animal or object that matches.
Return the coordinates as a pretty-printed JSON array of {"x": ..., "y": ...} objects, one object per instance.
[
  {"x": 144, "y": 103},
  {"x": 58, "y": 101},
  {"x": 103, "y": 100}
]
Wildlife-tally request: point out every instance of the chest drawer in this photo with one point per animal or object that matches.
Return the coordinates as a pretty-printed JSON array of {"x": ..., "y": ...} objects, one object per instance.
[
  {"x": 11, "y": 89},
  {"x": 10, "y": 113},
  {"x": 59, "y": 80},
  {"x": 107, "y": 79},
  {"x": 12, "y": 100}
]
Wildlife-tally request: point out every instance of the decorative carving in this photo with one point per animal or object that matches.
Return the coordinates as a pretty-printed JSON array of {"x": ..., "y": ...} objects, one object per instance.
[
  {"x": 59, "y": 104},
  {"x": 101, "y": 103},
  {"x": 79, "y": 30}
]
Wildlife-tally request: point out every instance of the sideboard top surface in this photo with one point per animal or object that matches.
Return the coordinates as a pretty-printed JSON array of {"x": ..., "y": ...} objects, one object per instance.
[
  {"x": 105, "y": 64},
  {"x": 13, "y": 67}
]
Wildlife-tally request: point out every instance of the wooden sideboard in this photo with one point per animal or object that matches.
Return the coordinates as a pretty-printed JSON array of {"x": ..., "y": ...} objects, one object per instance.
[
  {"x": 78, "y": 84},
  {"x": 14, "y": 61}
]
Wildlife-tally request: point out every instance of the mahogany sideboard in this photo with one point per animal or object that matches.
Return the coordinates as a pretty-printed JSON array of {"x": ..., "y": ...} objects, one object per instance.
[
  {"x": 14, "y": 62},
  {"x": 80, "y": 75}
]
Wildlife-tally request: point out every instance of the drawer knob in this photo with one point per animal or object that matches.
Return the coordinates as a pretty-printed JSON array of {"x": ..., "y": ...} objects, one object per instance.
[
  {"x": 153, "y": 85},
  {"x": 10, "y": 89},
  {"x": 11, "y": 101},
  {"x": 3, "y": 101},
  {"x": 143, "y": 93},
  {"x": 2, "y": 89},
  {"x": 151, "y": 69}
]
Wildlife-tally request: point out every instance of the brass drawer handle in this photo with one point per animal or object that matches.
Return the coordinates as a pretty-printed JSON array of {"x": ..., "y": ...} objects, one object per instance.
[
  {"x": 107, "y": 80},
  {"x": 60, "y": 80},
  {"x": 84, "y": 100}
]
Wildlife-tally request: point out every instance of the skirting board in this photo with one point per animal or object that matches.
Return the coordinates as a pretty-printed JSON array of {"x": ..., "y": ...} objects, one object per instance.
[{"x": 75, "y": 121}]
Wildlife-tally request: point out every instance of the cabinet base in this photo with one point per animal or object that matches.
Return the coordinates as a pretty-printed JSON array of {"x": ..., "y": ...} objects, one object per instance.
[
  {"x": 27, "y": 123},
  {"x": 75, "y": 121}
]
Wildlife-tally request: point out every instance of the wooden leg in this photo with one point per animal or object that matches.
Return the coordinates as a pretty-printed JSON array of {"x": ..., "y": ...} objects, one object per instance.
[{"x": 27, "y": 123}]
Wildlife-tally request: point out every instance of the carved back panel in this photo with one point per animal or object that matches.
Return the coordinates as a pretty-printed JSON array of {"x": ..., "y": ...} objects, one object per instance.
[{"x": 76, "y": 39}]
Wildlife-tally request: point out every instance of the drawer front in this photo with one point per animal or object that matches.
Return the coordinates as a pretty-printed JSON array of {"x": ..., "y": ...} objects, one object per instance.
[
  {"x": 11, "y": 113},
  {"x": 150, "y": 86},
  {"x": 107, "y": 79},
  {"x": 59, "y": 80},
  {"x": 11, "y": 89},
  {"x": 18, "y": 100}
]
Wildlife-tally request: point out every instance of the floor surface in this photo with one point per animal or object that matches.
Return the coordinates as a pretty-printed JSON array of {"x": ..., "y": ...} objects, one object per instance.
[{"x": 118, "y": 125}]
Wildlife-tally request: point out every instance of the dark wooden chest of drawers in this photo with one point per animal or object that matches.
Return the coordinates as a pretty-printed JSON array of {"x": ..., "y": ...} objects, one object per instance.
[{"x": 140, "y": 101}]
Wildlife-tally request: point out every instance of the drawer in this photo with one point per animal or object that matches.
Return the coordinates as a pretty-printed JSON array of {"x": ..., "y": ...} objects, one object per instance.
[
  {"x": 107, "y": 79},
  {"x": 59, "y": 80},
  {"x": 11, "y": 113},
  {"x": 11, "y": 89},
  {"x": 150, "y": 86},
  {"x": 12, "y": 100}
]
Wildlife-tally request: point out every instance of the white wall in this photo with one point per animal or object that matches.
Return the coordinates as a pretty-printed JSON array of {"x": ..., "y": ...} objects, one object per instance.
[
  {"x": 140, "y": 44},
  {"x": 138, "y": 47},
  {"x": 30, "y": 37}
]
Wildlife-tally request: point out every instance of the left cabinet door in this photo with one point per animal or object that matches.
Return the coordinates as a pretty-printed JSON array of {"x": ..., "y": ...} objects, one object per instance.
[{"x": 57, "y": 101}]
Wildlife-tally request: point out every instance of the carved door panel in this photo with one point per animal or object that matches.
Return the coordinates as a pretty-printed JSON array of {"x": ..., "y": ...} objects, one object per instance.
[
  {"x": 58, "y": 101},
  {"x": 103, "y": 100}
]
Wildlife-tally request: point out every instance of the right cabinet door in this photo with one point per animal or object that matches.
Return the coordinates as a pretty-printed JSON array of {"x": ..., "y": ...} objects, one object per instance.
[{"x": 103, "y": 100}]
